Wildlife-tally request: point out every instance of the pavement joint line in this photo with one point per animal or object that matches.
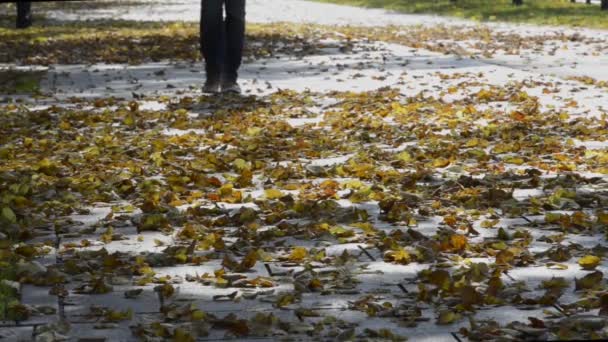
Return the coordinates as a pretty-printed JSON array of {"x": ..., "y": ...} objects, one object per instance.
[
  {"x": 402, "y": 288},
  {"x": 268, "y": 269},
  {"x": 455, "y": 336},
  {"x": 366, "y": 252}
]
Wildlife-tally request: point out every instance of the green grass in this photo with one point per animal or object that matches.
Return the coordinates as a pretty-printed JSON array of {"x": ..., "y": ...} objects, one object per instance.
[
  {"x": 543, "y": 12},
  {"x": 7, "y": 272},
  {"x": 20, "y": 82}
]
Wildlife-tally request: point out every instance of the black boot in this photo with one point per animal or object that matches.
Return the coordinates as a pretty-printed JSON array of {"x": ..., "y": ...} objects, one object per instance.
[
  {"x": 231, "y": 87},
  {"x": 212, "y": 84},
  {"x": 229, "y": 83}
]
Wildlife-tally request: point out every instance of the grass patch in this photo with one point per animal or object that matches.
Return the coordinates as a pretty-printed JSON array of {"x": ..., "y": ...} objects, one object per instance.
[
  {"x": 20, "y": 82},
  {"x": 8, "y": 295},
  {"x": 129, "y": 42},
  {"x": 544, "y": 12},
  {"x": 118, "y": 41}
]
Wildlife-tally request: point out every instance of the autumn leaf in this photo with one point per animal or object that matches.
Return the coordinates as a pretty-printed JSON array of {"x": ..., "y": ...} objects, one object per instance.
[
  {"x": 132, "y": 294},
  {"x": 440, "y": 278},
  {"x": 489, "y": 223},
  {"x": 399, "y": 256},
  {"x": 504, "y": 257},
  {"x": 298, "y": 254},
  {"x": 165, "y": 290},
  {"x": 405, "y": 156},
  {"x": 181, "y": 335},
  {"x": 458, "y": 242},
  {"x": 589, "y": 281},
  {"x": 248, "y": 261},
  {"x": 107, "y": 236},
  {"x": 589, "y": 262},
  {"x": 117, "y": 316},
  {"x": 441, "y": 162},
  {"x": 272, "y": 194},
  {"x": 470, "y": 297},
  {"x": 447, "y": 317},
  {"x": 8, "y": 215},
  {"x": 285, "y": 300}
]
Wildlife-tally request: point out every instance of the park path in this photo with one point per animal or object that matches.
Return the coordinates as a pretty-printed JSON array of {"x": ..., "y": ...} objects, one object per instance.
[
  {"x": 574, "y": 59},
  {"x": 557, "y": 55},
  {"x": 510, "y": 52}
]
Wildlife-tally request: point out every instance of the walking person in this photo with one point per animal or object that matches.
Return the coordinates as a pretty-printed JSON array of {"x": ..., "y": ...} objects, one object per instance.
[
  {"x": 24, "y": 14},
  {"x": 222, "y": 41}
]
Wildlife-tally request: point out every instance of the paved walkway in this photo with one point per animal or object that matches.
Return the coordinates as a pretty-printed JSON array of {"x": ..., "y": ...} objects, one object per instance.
[{"x": 569, "y": 58}]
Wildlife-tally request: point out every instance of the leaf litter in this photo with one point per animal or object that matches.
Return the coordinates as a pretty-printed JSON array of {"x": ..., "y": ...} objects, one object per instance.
[{"x": 413, "y": 221}]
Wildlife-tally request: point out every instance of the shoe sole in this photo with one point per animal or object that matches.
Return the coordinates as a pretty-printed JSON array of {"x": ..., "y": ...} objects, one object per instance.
[
  {"x": 234, "y": 92},
  {"x": 211, "y": 91}
]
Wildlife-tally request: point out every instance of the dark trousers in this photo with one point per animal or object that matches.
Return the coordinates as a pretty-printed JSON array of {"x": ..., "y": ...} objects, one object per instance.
[
  {"x": 24, "y": 14},
  {"x": 222, "y": 39}
]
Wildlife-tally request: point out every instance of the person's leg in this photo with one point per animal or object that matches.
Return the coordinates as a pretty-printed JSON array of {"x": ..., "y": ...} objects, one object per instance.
[
  {"x": 24, "y": 14},
  {"x": 235, "y": 38},
  {"x": 211, "y": 32}
]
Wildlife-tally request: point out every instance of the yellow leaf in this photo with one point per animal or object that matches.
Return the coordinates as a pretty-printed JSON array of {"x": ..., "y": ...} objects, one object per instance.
[
  {"x": 504, "y": 257},
  {"x": 602, "y": 217},
  {"x": 367, "y": 227},
  {"x": 285, "y": 300},
  {"x": 489, "y": 224},
  {"x": 65, "y": 125},
  {"x": 341, "y": 232},
  {"x": 589, "y": 262},
  {"x": 472, "y": 142},
  {"x": 441, "y": 162},
  {"x": 353, "y": 184},
  {"x": 129, "y": 120},
  {"x": 458, "y": 242},
  {"x": 405, "y": 156},
  {"x": 514, "y": 160},
  {"x": 400, "y": 256},
  {"x": 298, "y": 254},
  {"x": 248, "y": 261},
  {"x": 241, "y": 164},
  {"x": 447, "y": 317},
  {"x": 253, "y": 131},
  {"x": 273, "y": 194},
  {"x": 198, "y": 315},
  {"x": 182, "y": 335},
  {"x": 107, "y": 236},
  {"x": 116, "y": 316},
  {"x": 552, "y": 217},
  {"x": 166, "y": 290},
  {"x": 226, "y": 189}
]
